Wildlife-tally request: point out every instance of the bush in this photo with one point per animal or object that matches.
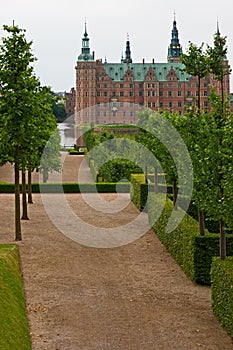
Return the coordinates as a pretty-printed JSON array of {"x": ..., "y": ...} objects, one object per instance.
[
  {"x": 205, "y": 248},
  {"x": 222, "y": 292},
  {"x": 117, "y": 169},
  {"x": 74, "y": 152},
  {"x": 192, "y": 252},
  {"x": 138, "y": 190},
  {"x": 178, "y": 242},
  {"x": 14, "y": 330}
]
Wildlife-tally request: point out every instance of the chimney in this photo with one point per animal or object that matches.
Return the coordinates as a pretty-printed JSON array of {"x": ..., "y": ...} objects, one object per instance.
[
  {"x": 153, "y": 60},
  {"x": 143, "y": 60},
  {"x": 93, "y": 54}
]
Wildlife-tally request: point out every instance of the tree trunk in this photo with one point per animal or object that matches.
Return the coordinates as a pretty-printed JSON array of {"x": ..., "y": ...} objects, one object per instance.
[
  {"x": 199, "y": 96},
  {"x": 201, "y": 221},
  {"x": 155, "y": 180},
  {"x": 18, "y": 236},
  {"x": 146, "y": 173},
  {"x": 222, "y": 242},
  {"x": 30, "y": 187},
  {"x": 45, "y": 176},
  {"x": 24, "y": 194},
  {"x": 175, "y": 192}
]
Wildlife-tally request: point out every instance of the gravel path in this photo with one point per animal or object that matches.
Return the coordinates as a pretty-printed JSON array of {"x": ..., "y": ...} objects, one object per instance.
[{"x": 133, "y": 297}]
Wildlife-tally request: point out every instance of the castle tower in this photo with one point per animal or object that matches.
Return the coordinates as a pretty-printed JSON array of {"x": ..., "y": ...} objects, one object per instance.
[
  {"x": 174, "y": 49},
  {"x": 85, "y": 79},
  {"x": 128, "y": 58}
]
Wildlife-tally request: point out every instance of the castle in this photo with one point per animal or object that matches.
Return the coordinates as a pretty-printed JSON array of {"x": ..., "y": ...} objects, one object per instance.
[{"x": 106, "y": 89}]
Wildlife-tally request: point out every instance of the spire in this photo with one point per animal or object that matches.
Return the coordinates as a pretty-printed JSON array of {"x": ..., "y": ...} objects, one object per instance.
[
  {"x": 175, "y": 49},
  {"x": 85, "y": 52},
  {"x": 218, "y": 32},
  {"x": 128, "y": 58},
  {"x": 85, "y": 33}
]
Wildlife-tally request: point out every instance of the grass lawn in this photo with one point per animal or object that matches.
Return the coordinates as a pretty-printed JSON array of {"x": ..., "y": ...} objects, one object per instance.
[{"x": 14, "y": 330}]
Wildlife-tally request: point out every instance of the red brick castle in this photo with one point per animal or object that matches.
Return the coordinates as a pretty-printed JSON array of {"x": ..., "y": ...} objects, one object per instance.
[{"x": 115, "y": 88}]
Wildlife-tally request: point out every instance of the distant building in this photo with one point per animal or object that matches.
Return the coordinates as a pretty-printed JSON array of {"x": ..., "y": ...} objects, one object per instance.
[
  {"x": 115, "y": 88},
  {"x": 69, "y": 102}
]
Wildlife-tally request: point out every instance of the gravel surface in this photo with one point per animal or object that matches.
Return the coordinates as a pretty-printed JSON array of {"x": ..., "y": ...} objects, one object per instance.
[{"x": 132, "y": 297}]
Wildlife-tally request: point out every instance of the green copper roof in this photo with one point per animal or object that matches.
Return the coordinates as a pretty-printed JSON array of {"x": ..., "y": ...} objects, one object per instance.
[
  {"x": 116, "y": 71},
  {"x": 85, "y": 57}
]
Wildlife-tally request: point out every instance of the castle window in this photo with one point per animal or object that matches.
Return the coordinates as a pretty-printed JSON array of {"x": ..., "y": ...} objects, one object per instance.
[
  {"x": 170, "y": 104},
  {"x": 188, "y": 93},
  {"x": 160, "y": 93},
  {"x": 121, "y": 86},
  {"x": 121, "y": 93},
  {"x": 105, "y": 93},
  {"x": 105, "y": 86},
  {"x": 179, "y": 93},
  {"x": 206, "y": 103},
  {"x": 169, "y": 93},
  {"x": 131, "y": 86},
  {"x": 205, "y": 93},
  {"x": 148, "y": 85},
  {"x": 161, "y": 104},
  {"x": 179, "y": 104},
  {"x": 131, "y": 93}
]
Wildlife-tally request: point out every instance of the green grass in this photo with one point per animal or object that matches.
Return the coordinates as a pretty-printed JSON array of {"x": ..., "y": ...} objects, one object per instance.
[{"x": 14, "y": 329}]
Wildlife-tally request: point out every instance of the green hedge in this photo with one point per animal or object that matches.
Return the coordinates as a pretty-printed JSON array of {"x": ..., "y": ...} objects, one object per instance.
[
  {"x": 205, "y": 248},
  {"x": 74, "y": 152},
  {"x": 178, "y": 242},
  {"x": 138, "y": 190},
  {"x": 222, "y": 292},
  {"x": 192, "y": 252},
  {"x": 72, "y": 188},
  {"x": 14, "y": 329}
]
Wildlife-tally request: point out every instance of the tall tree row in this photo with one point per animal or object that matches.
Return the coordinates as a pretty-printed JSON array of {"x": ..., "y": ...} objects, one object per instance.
[
  {"x": 208, "y": 135},
  {"x": 26, "y": 119}
]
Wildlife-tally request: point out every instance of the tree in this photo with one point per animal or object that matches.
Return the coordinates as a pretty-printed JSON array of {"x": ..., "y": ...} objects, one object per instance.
[
  {"x": 17, "y": 84},
  {"x": 220, "y": 69},
  {"x": 196, "y": 63}
]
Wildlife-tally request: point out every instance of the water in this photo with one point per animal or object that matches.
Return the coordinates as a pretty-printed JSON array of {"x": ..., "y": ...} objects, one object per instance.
[{"x": 67, "y": 133}]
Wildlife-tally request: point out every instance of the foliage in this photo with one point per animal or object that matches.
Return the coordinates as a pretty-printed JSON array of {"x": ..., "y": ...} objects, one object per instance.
[
  {"x": 178, "y": 242},
  {"x": 118, "y": 169},
  {"x": 222, "y": 292},
  {"x": 14, "y": 330},
  {"x": 196, "y": 63},
  {"x": 205, "y": 248},
  {"x": 58, "y": 107},
  {"x": 138, "y": 190},
  {"x": 192, "y": 252}
]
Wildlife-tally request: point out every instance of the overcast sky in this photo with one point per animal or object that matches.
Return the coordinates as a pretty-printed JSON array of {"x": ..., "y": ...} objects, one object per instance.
[{"x": 56, "y": 28}]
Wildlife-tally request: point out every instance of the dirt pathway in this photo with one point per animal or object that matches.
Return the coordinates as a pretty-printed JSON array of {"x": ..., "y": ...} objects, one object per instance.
[{"x": 134, "y": 297}]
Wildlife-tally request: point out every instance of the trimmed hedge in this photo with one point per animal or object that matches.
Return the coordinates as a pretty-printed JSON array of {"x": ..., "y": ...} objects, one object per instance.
[
  {"x": 205, "y": 248},
  {"x": 191, "y": 251},
  {"x": 222, "y": 292},
  {"x": 138, "y": 190},
  {"x": 14, "y": 330},
  {"x": 178, "y": 242},
  {"x": 74, "y": 152},
  {"x": 71, "y": 188}
]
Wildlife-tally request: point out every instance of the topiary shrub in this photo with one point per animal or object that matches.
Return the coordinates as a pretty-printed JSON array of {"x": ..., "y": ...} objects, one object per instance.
[
  {"x": 192, "y": 252},
  {"x": 222, "y": 292},
  {"x": 138, "y": 190}
]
